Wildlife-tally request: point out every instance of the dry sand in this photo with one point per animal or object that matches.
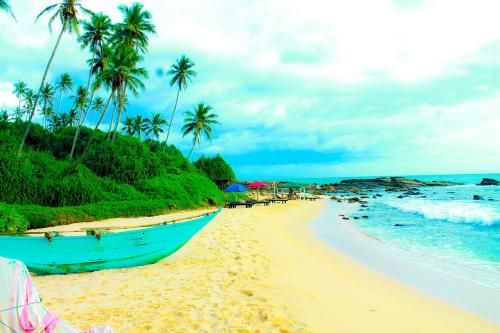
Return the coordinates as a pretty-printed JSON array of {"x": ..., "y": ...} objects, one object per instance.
[{"x": 252, "y": 270}]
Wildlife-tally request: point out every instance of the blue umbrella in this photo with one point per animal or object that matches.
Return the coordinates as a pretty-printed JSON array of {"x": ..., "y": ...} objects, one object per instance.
[{"x": 236, "y": 188}]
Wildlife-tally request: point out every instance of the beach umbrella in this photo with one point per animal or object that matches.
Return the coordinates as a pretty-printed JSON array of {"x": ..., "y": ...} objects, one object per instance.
[
  {"x": 257, "y": 185},
  {"x": 236, "y": 188}
]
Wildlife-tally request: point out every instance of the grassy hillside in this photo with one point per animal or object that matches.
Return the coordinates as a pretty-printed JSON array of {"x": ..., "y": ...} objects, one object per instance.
[{"x": 128, "y": 177}]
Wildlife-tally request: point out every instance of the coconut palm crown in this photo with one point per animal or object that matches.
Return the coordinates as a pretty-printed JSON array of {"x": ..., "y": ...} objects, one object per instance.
[
  {"x": 68, "y": 12},
  {"x": 198, "y": 122},
  {"x": 134, "y": 29},
  {"x": 97, "y": 32}
]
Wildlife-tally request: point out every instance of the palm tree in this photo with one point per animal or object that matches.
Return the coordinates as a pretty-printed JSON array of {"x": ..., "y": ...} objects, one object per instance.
[
  {"x": 127, "y": 76},
  {"x": 134, "y": 29},
  {"x": 65, "y": 85},
  {"x": 71, "y": 117},
  {"x": 95, "y": 37},
  {"x": 29, "y": 97},
  {"x": 65, "y": 119},
  {"x": 68, "y": 12},
  {"x": 121, "y": 69},
  {"x": 20, "y": 89},
  {"x": 79, "y": 105},
  {"x": 47, "y": 94},
  {"x": 47, "y": 112},
  {"x": 54, "y": 122},
  {"x": 18, "y": 114},
  {"x": 155, "y": 125},
  {"x": 4, "y": 5},
  {"x": 198, "y": 122},
  {"x": 139, "y": 125},
  {"x": 97, "y": 106},
  {"x": 97, "y": 32},
  {"x": 132, "y": 33},
  {"x": 182, "y": 72},
  {"x": 128, "y": 126},
  {"x": 4, "y": 115}
]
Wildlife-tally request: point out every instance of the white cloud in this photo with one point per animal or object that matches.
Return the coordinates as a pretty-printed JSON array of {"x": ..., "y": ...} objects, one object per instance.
[{"x": 7, "y": 98}]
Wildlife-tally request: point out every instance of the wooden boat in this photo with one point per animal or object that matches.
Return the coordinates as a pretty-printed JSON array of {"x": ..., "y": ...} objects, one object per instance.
[{"x": 74, "y": 254}]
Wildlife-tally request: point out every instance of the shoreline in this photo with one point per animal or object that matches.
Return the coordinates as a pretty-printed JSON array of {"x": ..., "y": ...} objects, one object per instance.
[
  {"x": 252, "y": 269},
  {"x": 391, "y": 262}
]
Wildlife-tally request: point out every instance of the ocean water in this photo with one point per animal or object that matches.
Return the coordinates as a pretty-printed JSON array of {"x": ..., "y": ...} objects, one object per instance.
[{"x": 443, "y": 228}]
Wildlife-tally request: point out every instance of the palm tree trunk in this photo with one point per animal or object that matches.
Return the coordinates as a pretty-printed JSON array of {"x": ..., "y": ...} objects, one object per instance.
[
  {"x": 28, "y": 126},
  {"x": 44, "y": 117},
  {"x": 60, "y": 100},
  {"x": 194, "y": 144},
  {"x": 172, "y": 119},
  {"x": 77, "y": 132},
  {"x": 88, "y": 108},
  {"x": 80, "y": 159},
  {"x": 119, "y": 112},
  {"x": 112, "y": 121}
]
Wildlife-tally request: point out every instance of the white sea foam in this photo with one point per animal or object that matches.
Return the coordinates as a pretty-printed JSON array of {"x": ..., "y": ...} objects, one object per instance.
[{"x": 451, "y": 211}]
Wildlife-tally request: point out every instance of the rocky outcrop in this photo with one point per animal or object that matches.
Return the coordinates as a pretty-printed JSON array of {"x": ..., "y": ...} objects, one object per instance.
[
  {"x": 489, "y": 182},
  {"x": 389, "y": 184},
  {"x": 477, "y": 197}
]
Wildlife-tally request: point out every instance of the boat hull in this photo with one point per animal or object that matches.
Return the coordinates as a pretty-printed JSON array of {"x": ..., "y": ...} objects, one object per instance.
[{"x": 75, "y": 254}]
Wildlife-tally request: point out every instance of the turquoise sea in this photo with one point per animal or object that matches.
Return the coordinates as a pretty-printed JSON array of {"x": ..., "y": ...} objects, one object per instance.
[{"x": 443, "y": 228}]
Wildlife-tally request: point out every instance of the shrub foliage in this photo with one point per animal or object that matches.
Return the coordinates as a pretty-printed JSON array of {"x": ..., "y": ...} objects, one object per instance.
[
  {"x": 124, "y": 178},
  {"x": 217, "y": 169}
]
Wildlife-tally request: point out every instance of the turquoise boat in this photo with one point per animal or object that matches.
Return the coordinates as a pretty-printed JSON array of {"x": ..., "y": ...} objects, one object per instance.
[{"x": 76, "y": 254}]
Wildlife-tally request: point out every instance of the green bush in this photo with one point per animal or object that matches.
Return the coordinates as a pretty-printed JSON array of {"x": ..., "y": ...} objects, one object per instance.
[
  {"x": 11, "y": 221},
  {"x": 126, "y": 160},
  {"x": 128, "y": 177},
  {"x": 217, "y": 169}
]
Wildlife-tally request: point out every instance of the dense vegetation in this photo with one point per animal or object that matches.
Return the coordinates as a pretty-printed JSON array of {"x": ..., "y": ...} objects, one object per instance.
[
  {"x": 124, "y": 178},
  {"x": 55, "y": 169},
  {"x": 217, "y": 169}
]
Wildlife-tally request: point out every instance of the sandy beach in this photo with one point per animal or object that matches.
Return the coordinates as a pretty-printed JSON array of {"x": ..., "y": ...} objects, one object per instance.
[{"x": 252, "y": 270}]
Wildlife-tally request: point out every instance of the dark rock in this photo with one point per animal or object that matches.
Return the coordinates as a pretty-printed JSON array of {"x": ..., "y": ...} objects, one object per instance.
[
  {"x": 353, "y": 199},
  {"x": 477, "y": 197},
  {"x": 491, "y": 199},
  {"x": 365, "y": 216},
  {"x": 364, "y": 206},
  {"x": 399, "y": 225},
  {"x": 356, "y": 217},
  {"x": 412, "y": 193},
  {"x": 345, "y": 218},
  {"x": 400, "y": 196},
  {"x": 364, "y": 197},
  {"x": 489, "y": 182}
]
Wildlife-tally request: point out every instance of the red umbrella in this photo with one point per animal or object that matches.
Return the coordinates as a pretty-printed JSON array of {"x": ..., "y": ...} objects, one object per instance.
[{"x": 257, "y": 185}]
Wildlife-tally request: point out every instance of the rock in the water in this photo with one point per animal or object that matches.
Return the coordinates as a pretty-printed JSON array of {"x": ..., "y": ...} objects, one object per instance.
[
  {"x": 477, "y": 197},
  {"x": 489, "y": 182},
  {"x": 365, "y": 216},
  {"x": 400, "y": 196},
  {"x": 353, "y": 199},
  {"x": 399, "y": 225}
]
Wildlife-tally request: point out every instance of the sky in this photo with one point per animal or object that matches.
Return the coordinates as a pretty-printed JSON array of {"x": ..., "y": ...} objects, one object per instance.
[{"x": 307, "y": 88}]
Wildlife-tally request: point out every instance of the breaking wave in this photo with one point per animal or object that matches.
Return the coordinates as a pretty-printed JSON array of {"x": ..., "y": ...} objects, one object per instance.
[{"x": 450, "y": 211}]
